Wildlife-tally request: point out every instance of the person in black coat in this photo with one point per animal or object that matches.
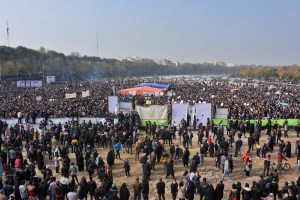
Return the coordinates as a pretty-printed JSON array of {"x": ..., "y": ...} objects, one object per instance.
[
  {"x": 170, "y": 169},
  {"x": 80, "y": 162},
  {"x": 174, "y": 189},
  {"x": 145, "y": 188},
  {"x": 185, "y": 157},
  {"x": 111, "y": 158},
  {"x": 124, "y": 192},
  {"x": 219, "y": 190},
  {"x": 288, "y": 150},
  {"x": 246, "y": 192},
  {"x": 160, "y": 186},
  {"x": 255, "y": 191},
  {"x": 40, "y": 160},
  {"x": 211, "y": 194},
  {"x": 190, "y": 191}
]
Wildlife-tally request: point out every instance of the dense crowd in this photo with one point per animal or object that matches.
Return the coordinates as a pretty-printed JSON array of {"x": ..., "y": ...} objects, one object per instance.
[
  {"x": 21, "y": 179},
  {"x": 27, "y": 176},
  {"x": 245, "y": 100}
]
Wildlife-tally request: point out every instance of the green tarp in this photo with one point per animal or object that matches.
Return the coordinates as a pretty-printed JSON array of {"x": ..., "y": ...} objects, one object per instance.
[{"x": 291, "y": 122}]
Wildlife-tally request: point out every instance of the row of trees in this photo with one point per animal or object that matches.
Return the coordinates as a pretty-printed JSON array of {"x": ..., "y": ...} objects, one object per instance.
[
  {"x": 22, "y": 62},
  {"x": 288, "y": 73}
]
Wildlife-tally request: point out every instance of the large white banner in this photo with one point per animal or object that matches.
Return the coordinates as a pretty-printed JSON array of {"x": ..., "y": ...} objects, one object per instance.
[
  {"x": 179, "y": 112},
  {"x": 125, "y": 107},
  {"x": 221, "y": 113},
  {"x": 70, "y": 95},
  {"x": 85, "y": 93},
  {"x": 36, "y": 83},
  {"x": 50, "y": 79},
  {"x": 154, "y": 112},
  {"x": 113, "y": 104},
  {"x": 203, "y": 112}
]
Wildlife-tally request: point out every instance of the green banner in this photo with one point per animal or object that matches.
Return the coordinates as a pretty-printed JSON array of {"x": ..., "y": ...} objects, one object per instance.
[
  {"x": 291, "y": 122},
  {"x": 158, "y": 122}
]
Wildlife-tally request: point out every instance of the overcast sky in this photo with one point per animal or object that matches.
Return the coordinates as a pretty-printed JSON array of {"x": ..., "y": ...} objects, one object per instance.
[{"x": 242, "y": 32}]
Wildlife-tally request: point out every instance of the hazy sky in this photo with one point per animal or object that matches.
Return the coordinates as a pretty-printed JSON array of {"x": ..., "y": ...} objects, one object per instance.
[{"x": 243, "y": 32}]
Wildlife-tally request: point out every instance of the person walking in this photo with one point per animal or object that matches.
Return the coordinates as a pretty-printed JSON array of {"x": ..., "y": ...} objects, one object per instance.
[
  {"x": 160, "y": 186},
  {"x": 137, "y": 188}
]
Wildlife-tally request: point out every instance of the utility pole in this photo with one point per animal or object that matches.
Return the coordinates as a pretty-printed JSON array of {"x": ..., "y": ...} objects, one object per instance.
[
  {"x": 97, "y": 45},
  {"x": 7, "y": 33}
]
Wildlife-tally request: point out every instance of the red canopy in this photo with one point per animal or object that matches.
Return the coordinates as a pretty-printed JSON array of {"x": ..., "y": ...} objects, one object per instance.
[{"x": 140, "y": 90}]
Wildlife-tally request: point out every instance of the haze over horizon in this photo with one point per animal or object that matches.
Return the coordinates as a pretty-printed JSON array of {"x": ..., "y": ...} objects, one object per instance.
[{"x": 248, "y": 32}]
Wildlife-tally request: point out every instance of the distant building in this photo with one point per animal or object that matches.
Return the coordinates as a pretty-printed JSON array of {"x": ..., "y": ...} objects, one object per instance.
[
  {"x": 226, "y": 63},
  {"x": 164, "y": 62}
]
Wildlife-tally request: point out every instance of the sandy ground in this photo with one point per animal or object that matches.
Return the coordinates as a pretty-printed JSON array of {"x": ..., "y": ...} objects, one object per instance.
[{"x": 208, "y": 170}]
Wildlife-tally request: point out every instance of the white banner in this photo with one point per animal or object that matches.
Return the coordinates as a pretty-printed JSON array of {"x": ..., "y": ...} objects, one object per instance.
[
  {"x": 86, "y": 93},
  {"x": 50, "y": 79},
  {"x": 113, "y": 104},
  {"x": 27, "y": 83},
  {"x": 203, "y": 112},
  {"x": 70, "y": 95},
  {"x": 221, "y": 113},
  {"x": 125, "y": 107},
  {"x": 38, "y": 98},
  {"x": 154, "y": 112},
  {"x": 36, "y": 83},
  {"x": 179, "y": 112}
]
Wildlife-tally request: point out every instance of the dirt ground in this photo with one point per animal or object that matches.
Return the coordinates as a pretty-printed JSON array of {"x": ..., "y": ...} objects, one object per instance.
[{"x": 208, "y": 170}]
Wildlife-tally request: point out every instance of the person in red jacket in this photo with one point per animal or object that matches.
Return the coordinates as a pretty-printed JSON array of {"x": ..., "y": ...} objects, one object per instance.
[
  {"x": 18, "y": 163},
  {"x": 245, "y": 157}
]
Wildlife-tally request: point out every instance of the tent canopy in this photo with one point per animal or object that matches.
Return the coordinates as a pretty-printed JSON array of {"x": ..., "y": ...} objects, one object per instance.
[
  {"x": 140, "y": 90},
  {"x": 154, "y": 85}
]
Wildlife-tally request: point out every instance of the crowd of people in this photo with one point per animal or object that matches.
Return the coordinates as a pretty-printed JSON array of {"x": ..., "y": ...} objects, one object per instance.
[
  {"x": 31, "y": 161},
  {"x": 254, "y": 100}
]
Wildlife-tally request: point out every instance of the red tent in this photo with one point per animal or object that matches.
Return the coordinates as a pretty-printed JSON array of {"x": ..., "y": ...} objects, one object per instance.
[{"x": 140, "y": 90}]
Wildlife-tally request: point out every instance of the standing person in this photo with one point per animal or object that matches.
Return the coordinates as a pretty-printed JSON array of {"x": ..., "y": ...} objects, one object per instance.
[
  {"x": 185, "y": 157},
  {"x": 52, "y": 188},
  {"x": 246, "y": 192},
  {"x": 170, "y": 169},
  {"x": 73, "y": 172},
  {"x": 190, "y": 191},
  {"x": 288, "y": 150},
  {"x": 203, "y": 189},
  {"x": 181, "y": 191},
  {"x": 174, "y": 189},
  {"x": 124, "y": 192},
  {"x": 137, "y": 188},
  {"x": 126, "y": 167},
  {"x": 286, "y": 128},
  {"x": 219, "y": 190},
  {"x": 248, "y": 166},
  {"x": 145, "y": 189},
  {"x": 117, "y": 148},
  {"x": 160, "y": 186},
  {"x": 92, "y": 187},
  {"x": 226, "y": 170},
  {"x": 267, "y": 165}
]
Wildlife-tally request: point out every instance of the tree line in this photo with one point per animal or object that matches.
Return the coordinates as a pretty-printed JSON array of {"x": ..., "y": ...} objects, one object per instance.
[
  {"x": 284, "y": 72},
  {"x": 25, "y": 63}
]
